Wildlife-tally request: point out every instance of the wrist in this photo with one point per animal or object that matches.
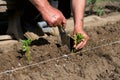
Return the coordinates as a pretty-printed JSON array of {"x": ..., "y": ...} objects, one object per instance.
[{"x": 79, "y": 24}]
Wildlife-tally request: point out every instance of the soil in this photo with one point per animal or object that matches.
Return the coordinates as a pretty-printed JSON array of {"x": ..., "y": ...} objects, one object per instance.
[{"x": 98, "y": 60}]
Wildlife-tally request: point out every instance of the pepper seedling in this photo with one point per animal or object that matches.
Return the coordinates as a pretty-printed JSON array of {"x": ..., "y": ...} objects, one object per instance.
[
  {"x": 78, "y": 37},
  {"x": 26, "y": 48}
]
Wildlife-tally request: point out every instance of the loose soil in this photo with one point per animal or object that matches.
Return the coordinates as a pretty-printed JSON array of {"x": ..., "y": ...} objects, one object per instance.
[{"x": 98, "y": 60}]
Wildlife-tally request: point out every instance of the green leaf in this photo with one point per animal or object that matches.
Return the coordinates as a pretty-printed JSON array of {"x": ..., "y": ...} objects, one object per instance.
[
  {"x": 78, "y": 37},
  {"x": 26, "y": 47}
]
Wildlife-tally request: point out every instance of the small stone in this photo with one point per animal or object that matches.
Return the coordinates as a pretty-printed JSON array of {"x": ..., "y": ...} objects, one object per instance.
[
  {"x": 19, "y": 64},
  {"x": 65, "y": 56}
]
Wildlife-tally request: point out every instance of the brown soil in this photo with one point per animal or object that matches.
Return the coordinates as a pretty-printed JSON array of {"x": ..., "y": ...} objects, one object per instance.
[{"x": 98, "y": 60}]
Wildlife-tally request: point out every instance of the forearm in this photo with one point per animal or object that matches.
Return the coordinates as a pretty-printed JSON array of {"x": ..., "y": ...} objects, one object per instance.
[
  {"x": 78, "y": 7},
  {"x": 41, "y": 5}
]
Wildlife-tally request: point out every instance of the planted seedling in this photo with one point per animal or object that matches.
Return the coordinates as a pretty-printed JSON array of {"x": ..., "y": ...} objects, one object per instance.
[
  {"x": 78, "y": 37},
  {"x": 26, "y": 48}
]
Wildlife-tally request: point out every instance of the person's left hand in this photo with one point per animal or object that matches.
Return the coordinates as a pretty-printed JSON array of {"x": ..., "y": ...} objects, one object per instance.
[{"x": 83, "y": 42}]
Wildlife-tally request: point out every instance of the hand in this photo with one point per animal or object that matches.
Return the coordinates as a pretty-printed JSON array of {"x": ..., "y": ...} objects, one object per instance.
[
  {"x": 54, "y": 17},
  {"x": 83, "y": 42},
  {"x": 50, "y": 14}
]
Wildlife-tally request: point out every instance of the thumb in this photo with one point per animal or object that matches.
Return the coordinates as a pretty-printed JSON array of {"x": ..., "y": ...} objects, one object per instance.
[{"x": 64, "y": 22}]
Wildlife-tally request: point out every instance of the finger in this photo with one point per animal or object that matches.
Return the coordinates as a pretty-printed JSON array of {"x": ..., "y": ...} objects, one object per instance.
[
  {"x": 85, "y": 41},
  {"x": 60, "y": 24},
  {"x": 82, "y": 45},
  {"x": 74, "y": 46},
  {"x": 58, "y": 21},
  {"x": 79, "y": 45},
  {"x": 51, "y": 23},
  {"x": 54, "y": 23},
  {"x": 64, "y": 23}
]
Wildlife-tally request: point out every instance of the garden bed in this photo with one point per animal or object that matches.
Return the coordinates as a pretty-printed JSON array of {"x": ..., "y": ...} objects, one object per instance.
[{"x": 98, "y": 60}]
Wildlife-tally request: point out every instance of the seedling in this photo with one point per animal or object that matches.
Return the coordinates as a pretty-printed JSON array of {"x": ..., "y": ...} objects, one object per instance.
[
  {"x": 26, "y": 48},
  {"x": 78, "y": 37},
  {"x": 98, "y": 8}
]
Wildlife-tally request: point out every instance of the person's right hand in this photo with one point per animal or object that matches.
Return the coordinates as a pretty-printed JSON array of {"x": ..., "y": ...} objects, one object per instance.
[
  {"x": 50, "y": 14},
  {"x": 53, "y": 16}
]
